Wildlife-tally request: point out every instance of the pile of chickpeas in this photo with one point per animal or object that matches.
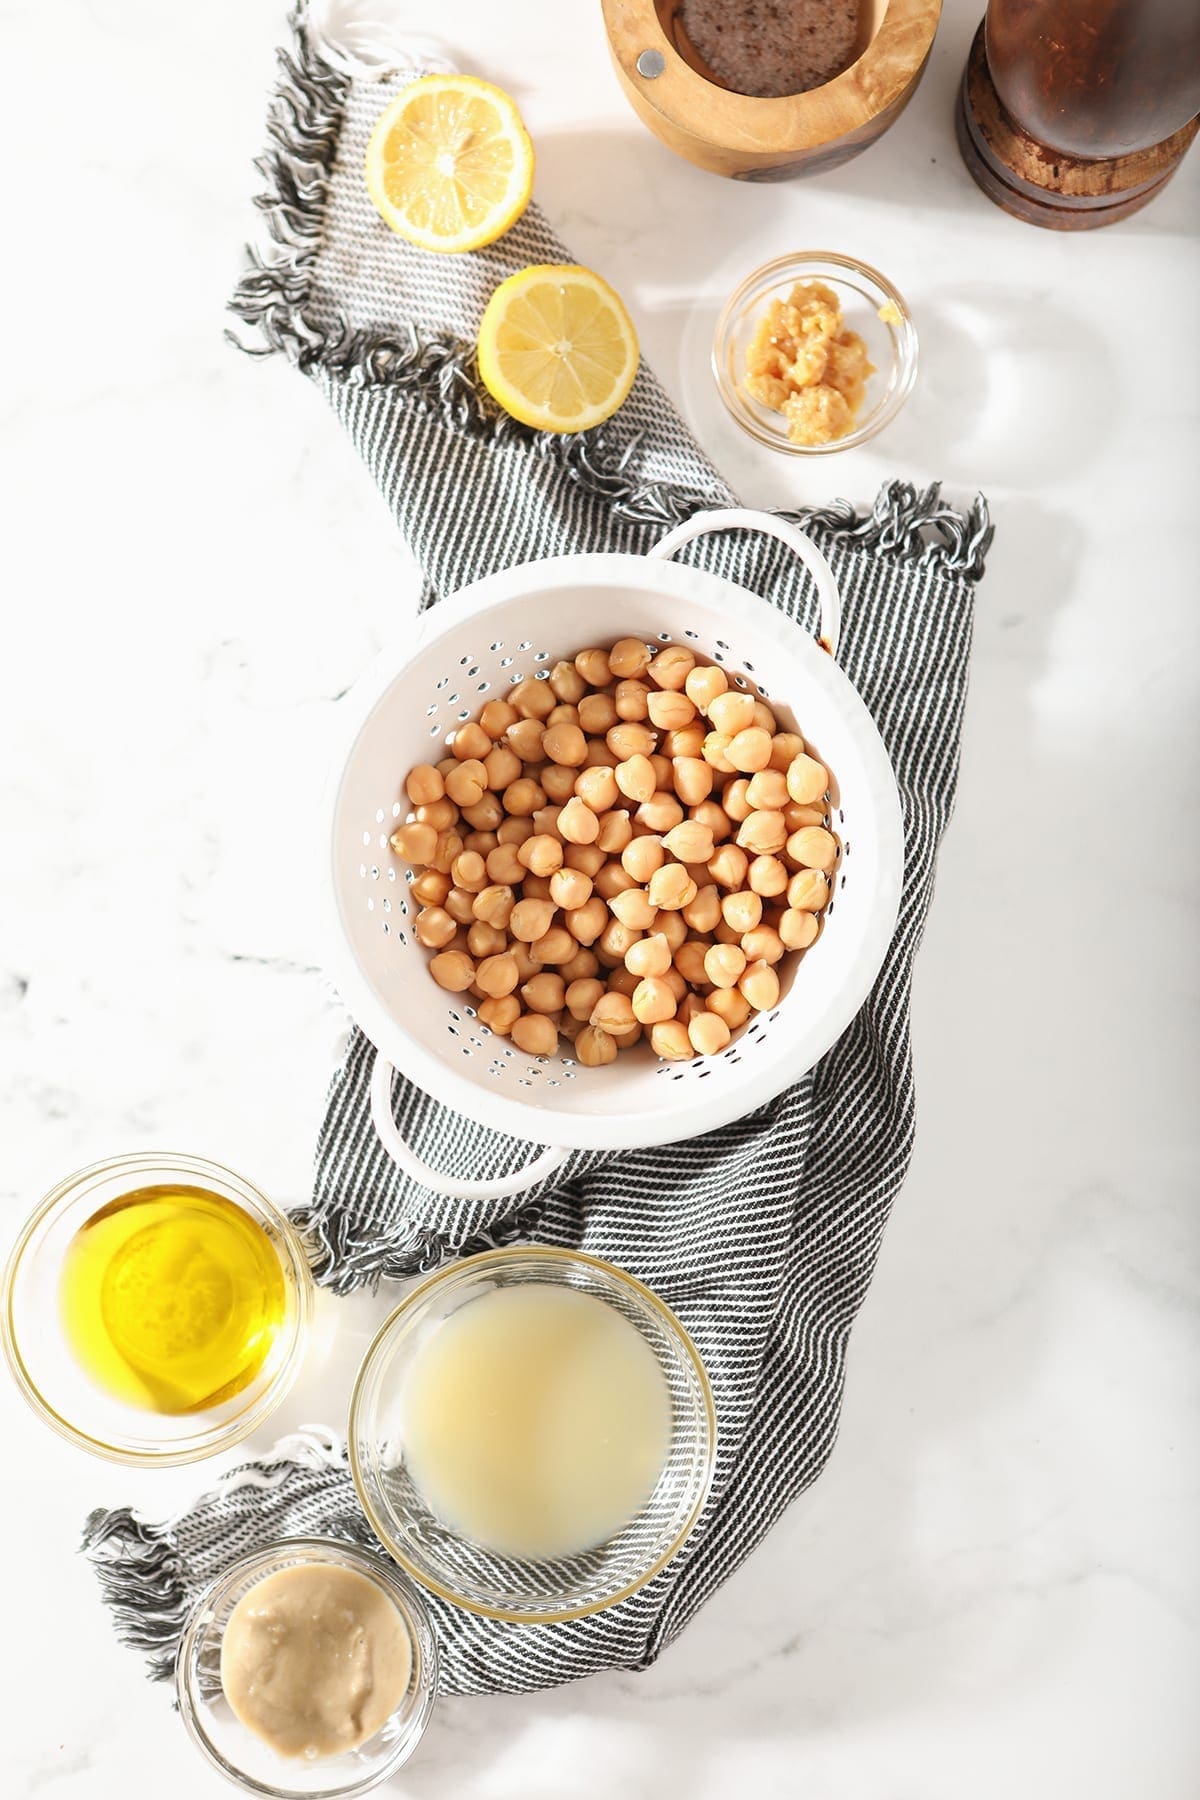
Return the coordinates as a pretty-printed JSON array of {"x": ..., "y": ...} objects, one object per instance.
[{"x": 627, "y": 846}]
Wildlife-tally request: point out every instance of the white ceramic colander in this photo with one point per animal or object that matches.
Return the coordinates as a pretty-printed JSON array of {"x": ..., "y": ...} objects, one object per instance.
[{"x": 488, "y": 637}]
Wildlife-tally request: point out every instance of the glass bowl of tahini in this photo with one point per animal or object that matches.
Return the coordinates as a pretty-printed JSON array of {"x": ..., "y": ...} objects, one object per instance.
[
  {"x": 532, "y": 1434},
  {"x": 155, "y": 1308},
  {"x": 307, "y": 1668}
]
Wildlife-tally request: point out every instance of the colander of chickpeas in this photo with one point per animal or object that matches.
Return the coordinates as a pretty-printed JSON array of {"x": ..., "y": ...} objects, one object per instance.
[{"x": 615, "y": 853}]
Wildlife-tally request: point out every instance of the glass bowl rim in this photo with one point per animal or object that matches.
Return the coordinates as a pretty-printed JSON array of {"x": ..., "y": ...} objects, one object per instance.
[
  {"x": 170, "y": 1163},
  {"x": 461, "y": 1271},
  {"x": 903, "y": 338},
  {"x": 343, "y": 1552}
]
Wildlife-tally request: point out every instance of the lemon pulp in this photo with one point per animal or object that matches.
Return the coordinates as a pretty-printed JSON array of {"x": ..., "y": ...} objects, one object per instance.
[
  {"x": 172, "y": 1298},
  {"x": 557, "y": 348}
]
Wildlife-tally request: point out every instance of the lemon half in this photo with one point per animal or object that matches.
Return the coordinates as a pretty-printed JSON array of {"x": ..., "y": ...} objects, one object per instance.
[
  {"x": 557, "y": 348},
  {"x": 450, "y": 165}
]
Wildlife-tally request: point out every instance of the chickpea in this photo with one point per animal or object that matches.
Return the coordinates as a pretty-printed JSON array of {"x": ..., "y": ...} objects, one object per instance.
[
  {"x": 642, "y": 856},
  {"x": 523, "y": 797},
  {"x": 690, "y": 842},
  {"x": 449, "y": 845},
  {"x": 554, "y": 946},
  {"x": 568, "y": 1028},
  {"x": 533, "y": 699},
  {"x": 764, "y": 944},
  {"x": 813, "y": 848},
  {"x": 785, "y": 747},
  {"x": 471, "y": 743},
  {"x": 730, "y": 1005},
  {"x": 742, "y": 911},
  {"x": 496, "y": 718},
  {"x": 531, "y": 919},
  {"x": 557, "y": 781},
  {"x": 635, "y": 776},
  {"x": 525, "y": 740},
  {"x": 424, "y": 785},
  {"x": 498, "y": 975},
  {"x": 578, "y": 823},
  {"x": 613, "y": 880},
  {"x": 670, "y": 711},
  {"x": 693, "y": 779},
  {"x": 593, "y": 665},
  {"x": 501, "y": 1014},
  {"x": 796, "y": 818},
  {"x": 653, "y": 1001},
  {"x": 486, "y": 940},
  {"x": 750, "y": 750},
  {"x": 461, "y": 906},
  {"x": 589, "y": 859},
  {"x": 711, "y": 814},
  {"x": 430, "y": 888},
  {"x": 445, "y": 765},
  {"x": 671, "y": 667},
  {"x": 767, "y": 876},
  {"x": 613, "y": 1012},
  {"x": 625, "y": 740},
  {"x": 416, "y": 843},
  {"x": 767, "y": 790},
  {"x": 703, "y": 912},
  {"x": 709, "y": 1033},
  {"x": 687, "y": 741},
  {"x": 671, "y": 888},
  {"x": 713, "y": 751},
  {"x": 515, "y": 831},
  {"x": 435, "y": 927},
  {"x": 670, "y": 1040},
  {"x": 598, "y": 789},
  {"x": 569, "y": 888},
  {"x": 587, "y": 921},
  {"x": 487, "y": 814},
  {"x": 494, "y": 904},
  {"x": 764, "y": 719},
  {"x": 725, "y": 933},
  {"x": 581, "y": 998},
  {"x": 535, "y": 1034},
  {"x": 470, "y": 872},
  {"x": 633, "y": 908},
  {"x": 630, "y": 700},
  {"x": 728, "y": 866},
  {"x": 503, "y": 864},
  {"x": 541, "y": 855},
  {"x": 807, "y": 779},
  {"x": 467, "y": 783},
  {"x": 441, "y": 814},
  {"x": 628, "y": 656},
  {"x": 615, "y": 940},
  {"x": 703, "y": 684},
  {"x": 724, "y": 965},
  {"x": 689, "y": 960},
  {"x": 649, "y": 956},
  {"x": 671, "y": 925},
  {"x": 583, "y": 966},
  {"x": 731, "y": 712},
  {"x": 594, "y": 1048},
  {"x": 760, "y": 986},
  {"x": 453, "y": 970},
  {"x": 528, "y": 965},
  {"x": 661, "y": 812},
  {"x": 566, "y": 744},
  {"x": 762, "y": 833},
  {"x": 568, "y": 684},
  {"x": 616, "y": 832},
  {"x": 622, "y": 980},
  {"x": 544, "y": 993},
  {"x": 597, "y": 714},
  {"x": 480, "y": 842}
]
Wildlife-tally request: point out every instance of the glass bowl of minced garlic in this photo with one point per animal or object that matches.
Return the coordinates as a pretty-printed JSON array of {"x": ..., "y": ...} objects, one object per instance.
[{"x": 814, "y": 352}]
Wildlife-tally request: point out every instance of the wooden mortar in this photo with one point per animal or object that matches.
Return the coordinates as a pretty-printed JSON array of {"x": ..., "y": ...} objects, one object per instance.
[{"x": 768, "y": 140}]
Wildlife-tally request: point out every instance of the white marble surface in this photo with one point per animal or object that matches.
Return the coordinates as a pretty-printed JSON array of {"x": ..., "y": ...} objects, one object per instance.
[{"x": 992, "y": 1589}]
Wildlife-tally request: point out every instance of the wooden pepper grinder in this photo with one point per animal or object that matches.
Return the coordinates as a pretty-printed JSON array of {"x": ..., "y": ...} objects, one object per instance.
[{"x": 1073, "y": 113}]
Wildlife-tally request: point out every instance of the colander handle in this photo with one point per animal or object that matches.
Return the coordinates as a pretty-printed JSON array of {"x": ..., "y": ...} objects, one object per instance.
[
  {"x": 502, "y": 1188},
  {"x": 742, "y": 519}
]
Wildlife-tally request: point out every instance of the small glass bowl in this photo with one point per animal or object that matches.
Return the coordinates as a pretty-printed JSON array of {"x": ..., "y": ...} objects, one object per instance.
[
  {"x": 528, "y": 1590},
  {"x": 237, "y": 1752},
  {"x": 861, "y": 291},
  {"x": 44, "y": 1366}
]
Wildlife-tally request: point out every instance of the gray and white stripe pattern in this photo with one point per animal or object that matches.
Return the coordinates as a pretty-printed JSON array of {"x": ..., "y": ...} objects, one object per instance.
[{"x": 762, "y": 1235}]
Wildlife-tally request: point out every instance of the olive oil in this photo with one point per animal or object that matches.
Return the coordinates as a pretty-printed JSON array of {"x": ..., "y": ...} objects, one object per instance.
[{"x": 171, "y": 1298}]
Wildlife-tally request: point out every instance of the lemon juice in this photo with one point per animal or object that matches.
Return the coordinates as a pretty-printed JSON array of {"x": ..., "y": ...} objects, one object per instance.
[{"x": 171, "y": 1298}]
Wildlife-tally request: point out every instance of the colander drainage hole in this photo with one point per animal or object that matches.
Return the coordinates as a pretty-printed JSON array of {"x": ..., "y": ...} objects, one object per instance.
[
  {"x": 525, "y": 644},
  {"x": 692, "y": 634},
  {"x": 498, "y": 645}
]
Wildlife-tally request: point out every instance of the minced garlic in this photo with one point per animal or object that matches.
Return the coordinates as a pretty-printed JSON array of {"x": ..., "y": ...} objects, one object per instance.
[{"x": 804, "y": 363}]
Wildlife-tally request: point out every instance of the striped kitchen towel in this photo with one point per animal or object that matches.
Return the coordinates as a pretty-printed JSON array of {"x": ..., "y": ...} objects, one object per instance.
[{"x": 762, "y": 1235}]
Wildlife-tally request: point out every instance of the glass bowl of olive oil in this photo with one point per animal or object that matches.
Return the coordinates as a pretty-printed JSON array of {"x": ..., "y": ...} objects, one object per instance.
[{"x": 155, "y": 1308}]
